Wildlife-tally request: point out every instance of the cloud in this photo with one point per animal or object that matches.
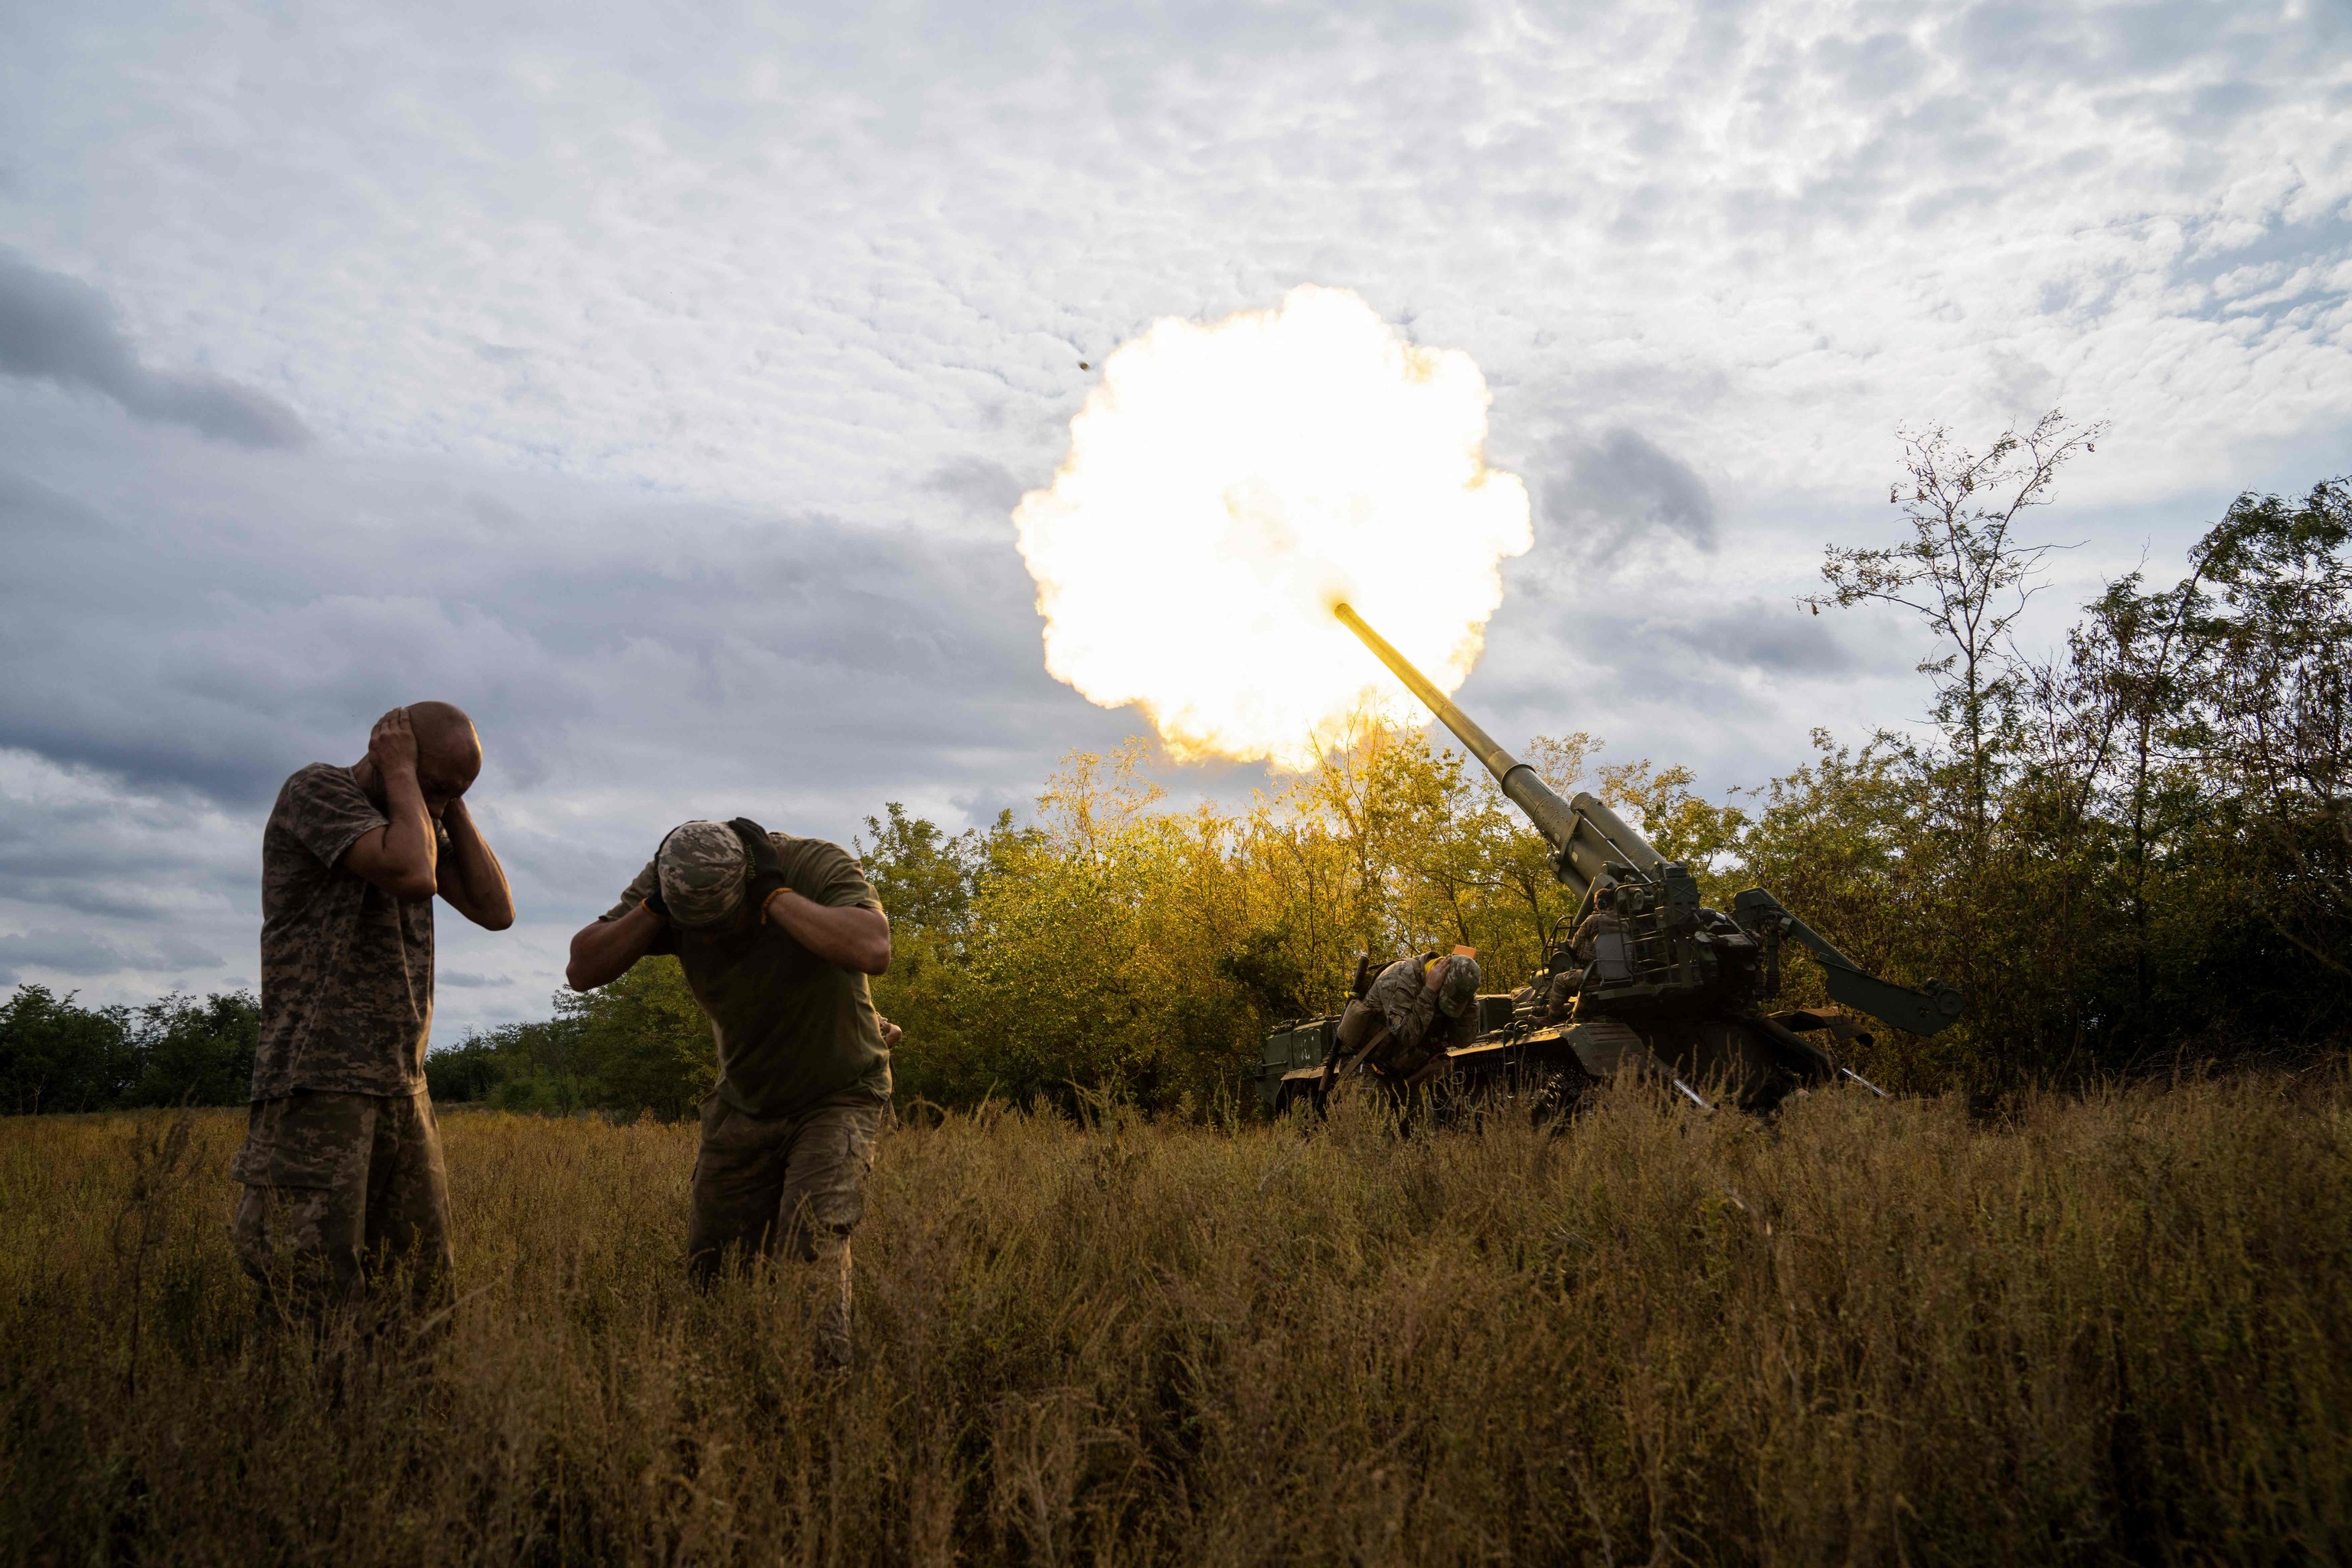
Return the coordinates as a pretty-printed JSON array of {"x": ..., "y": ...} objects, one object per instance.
[
  {"x": 79, "y": 954},
  {"x": 986, "y": 489},
  {"x": 55, "y": 329},
  {"x": 1603, "y": 495},
  {"x": 199, "y": 623},
  {"x": 101, "y": 880},
  {"x": 1692, "y": 654},
  {"x": 63, "y": 953},
  {"x": 1777, "y": 639}
]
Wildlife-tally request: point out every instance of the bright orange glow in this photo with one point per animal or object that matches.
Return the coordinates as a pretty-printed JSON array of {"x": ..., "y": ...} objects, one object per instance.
[{"x": 1227, "y": 484}]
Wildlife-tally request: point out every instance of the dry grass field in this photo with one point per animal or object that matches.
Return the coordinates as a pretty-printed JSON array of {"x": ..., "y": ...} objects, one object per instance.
[{"x": 2112, "y": 1328}]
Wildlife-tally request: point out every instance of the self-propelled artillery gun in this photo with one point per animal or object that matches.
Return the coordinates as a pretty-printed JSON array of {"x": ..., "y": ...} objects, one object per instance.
[{"x": 1659, "y": 984}]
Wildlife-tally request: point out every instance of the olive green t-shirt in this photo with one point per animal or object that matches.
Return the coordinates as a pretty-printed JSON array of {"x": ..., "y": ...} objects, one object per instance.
[{"x": 792, "y": 1029}]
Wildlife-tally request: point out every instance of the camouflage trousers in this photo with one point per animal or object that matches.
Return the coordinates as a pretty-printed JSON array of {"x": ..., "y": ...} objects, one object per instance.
[
  {"x": 343, "y": 1190},
  {"x": 786, "y": 1187},
  {"x": 1364, "y": 1038}
]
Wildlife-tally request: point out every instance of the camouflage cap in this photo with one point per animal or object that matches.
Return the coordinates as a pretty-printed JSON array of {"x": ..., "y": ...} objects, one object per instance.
[
  {"x": 703, "y": 869},
  {"x": 1457, "y": 991}
]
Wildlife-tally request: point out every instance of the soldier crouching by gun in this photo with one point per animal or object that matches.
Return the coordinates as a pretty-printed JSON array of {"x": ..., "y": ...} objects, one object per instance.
[
  {"x": 1401, "y": 1025},
  {"x": 777, "y": 936}
]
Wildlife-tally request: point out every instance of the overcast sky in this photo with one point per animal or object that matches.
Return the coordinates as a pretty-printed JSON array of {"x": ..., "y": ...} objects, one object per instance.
[{"x": 656, "y": 384}]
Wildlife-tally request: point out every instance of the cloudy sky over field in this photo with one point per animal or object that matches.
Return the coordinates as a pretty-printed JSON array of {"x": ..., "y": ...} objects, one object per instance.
[{"x": 659, "y": 385}]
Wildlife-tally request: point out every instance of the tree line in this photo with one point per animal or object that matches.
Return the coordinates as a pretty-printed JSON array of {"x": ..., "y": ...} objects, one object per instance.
[
  {"x": 57, "y": 1055},
  {"x": 2132, "y": 852}
]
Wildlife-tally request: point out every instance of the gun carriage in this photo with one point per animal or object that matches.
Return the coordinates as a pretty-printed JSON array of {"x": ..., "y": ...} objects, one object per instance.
[{"x": 1675, "y": 990}]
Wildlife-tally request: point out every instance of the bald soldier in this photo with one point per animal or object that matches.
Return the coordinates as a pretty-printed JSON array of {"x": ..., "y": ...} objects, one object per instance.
[
  {"x": 341, "y": 1164},
  {"x": 777, "y": 936}
]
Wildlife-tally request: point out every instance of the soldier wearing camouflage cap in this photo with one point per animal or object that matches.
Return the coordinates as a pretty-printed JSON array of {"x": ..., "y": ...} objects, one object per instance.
[
  {"x": 341, "y": 1164},
  {"x": 777, "y": 936},
  {"x": 1401, "y": 1026}
]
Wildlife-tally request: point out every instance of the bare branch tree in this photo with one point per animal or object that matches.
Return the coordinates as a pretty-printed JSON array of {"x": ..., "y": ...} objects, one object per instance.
[{"x": 1965, "y": 572}]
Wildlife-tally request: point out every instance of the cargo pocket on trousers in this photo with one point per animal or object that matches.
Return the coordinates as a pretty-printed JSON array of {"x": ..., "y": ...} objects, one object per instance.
[
  {"x": 838, "y": 1202},
  {"x": 304, "y": 1140}
]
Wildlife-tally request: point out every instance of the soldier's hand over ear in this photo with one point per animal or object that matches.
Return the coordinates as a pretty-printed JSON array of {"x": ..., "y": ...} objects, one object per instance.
[
  {"x": 393, "y": 743},
  {"x": 765, "y": 861}
]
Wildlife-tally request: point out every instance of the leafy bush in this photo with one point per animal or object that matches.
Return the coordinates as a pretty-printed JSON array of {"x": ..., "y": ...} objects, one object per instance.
[
  {"x": 58, "y": 1055},
  {"x": 643, "y": 1043},
  {"x": 638, "y": 1045}
]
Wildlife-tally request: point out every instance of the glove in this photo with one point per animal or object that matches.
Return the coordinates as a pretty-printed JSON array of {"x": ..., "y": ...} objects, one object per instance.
[
  {"x": 767, "y": 866},
  {"x": 765, "y": 861},
  {"x": 655, "y": 907}
]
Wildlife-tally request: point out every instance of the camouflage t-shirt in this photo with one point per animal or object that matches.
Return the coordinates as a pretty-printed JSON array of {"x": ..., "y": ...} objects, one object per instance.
[
  {"x": 346, "y": 968},
  {"x": 1406, "y": 1003},
  {"x": 791, "y": 1028}
]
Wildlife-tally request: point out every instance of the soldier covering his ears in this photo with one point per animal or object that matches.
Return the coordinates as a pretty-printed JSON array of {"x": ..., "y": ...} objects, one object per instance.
[
  {"x": 1406, "y": 1019},
  {"x": 777, "y": 936},
  {"x": 341, "y": 1164}
]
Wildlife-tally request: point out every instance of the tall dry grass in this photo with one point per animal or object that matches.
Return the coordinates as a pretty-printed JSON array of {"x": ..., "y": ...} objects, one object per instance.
[{"x": 2102, "y": 1329}]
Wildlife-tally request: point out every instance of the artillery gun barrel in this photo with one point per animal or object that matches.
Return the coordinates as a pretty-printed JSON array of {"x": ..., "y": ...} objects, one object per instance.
[
  {"x": 1590, "y": 842},
  {"x": 1553, "y": 817},
  {"x": 1585, "y": 836}
]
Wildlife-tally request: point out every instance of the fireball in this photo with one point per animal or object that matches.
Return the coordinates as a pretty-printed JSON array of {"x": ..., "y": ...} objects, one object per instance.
[{"x": 1227, "y": 484}]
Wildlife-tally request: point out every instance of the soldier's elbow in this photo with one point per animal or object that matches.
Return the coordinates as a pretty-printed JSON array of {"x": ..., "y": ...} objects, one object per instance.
[{"x": 582, "y": 972}]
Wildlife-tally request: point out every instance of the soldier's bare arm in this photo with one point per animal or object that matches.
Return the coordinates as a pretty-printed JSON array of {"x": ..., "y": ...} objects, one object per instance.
[
  {"x": 602, "y": 951},
  {"x": 471, "y": 877},
  {"x": 400, "y": 857},
  {"x": 850, "y": 935}
]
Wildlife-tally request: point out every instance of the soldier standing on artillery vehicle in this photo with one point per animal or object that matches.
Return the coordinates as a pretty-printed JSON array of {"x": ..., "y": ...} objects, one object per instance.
[
  {"x": 1399, "y": 1027},
  {"x": 777, "y": 936},
  {"x": 342, "y": 1163}
]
